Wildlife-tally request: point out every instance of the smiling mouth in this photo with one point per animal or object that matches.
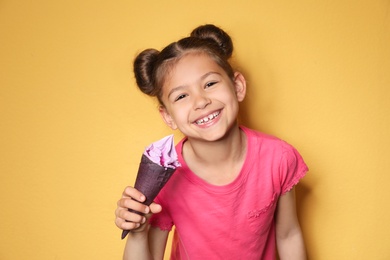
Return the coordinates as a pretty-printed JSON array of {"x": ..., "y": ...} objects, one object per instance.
[{"x": 208, "y": 118}]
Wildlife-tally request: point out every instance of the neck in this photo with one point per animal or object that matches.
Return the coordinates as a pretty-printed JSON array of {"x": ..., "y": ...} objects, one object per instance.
[{"x": 230, "y": 148}]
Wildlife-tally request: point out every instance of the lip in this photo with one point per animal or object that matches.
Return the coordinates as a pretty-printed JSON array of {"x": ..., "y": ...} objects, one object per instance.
[{"x": 208, "y": 118}]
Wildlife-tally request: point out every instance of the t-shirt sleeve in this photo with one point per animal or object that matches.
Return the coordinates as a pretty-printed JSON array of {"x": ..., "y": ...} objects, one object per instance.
[
  {"x": 163, "y": 219},
  {"x": 292, "y": 168}
]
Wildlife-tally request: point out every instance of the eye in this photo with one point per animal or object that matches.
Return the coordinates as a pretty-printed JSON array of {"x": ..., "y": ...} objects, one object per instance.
[
  {"x": 180, "y": 97},
  {"x": 210, "y": 84}
]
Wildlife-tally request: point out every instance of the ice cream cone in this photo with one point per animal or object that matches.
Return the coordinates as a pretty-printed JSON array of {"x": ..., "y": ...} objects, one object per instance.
[{"x": 151, "y": 178}]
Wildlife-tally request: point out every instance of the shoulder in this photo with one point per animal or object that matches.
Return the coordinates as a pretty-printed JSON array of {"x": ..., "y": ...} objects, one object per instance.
[
  {"x": 266, "y": 141},
  {"x": 269, "y": 148}
]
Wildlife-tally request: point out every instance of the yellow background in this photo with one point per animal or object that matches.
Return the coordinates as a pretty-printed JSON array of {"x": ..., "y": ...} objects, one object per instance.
[{"x": 73, "y": 125}]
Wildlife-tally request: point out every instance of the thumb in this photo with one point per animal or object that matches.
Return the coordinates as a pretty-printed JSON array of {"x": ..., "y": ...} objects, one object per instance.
[{"x": 155, "y": 208}]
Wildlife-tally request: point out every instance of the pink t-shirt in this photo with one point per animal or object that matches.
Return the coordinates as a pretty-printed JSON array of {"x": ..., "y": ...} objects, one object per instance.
[{"x": 234, "y": 221}]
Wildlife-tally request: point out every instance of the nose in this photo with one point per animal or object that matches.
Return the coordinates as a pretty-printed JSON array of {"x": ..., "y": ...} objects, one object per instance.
[{"x": 201, "y": 101}]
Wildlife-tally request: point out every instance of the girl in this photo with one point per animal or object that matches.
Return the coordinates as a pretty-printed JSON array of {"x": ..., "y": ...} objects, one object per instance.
[{"x": 233, "y": 197}]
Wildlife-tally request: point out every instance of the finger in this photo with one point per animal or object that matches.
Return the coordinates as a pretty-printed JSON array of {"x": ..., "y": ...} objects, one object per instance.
[
  {"x": 129, "y": 203},
  {"x": 129, "y": 216},
  {"x": 133, "y": 193},
  {"x": 124, "y": 225}
]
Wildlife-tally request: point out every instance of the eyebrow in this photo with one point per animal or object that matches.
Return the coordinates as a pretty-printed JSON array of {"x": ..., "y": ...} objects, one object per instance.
[
  {"x": 174, "y": 90},
  {"x": 201, "y": 78}
]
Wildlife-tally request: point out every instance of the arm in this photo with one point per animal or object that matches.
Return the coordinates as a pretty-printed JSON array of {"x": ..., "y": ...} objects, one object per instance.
[
  {"x": 141, "y": 245},
  {"x": 289, "y": 237},
  {"x": 143, "y": 242}
]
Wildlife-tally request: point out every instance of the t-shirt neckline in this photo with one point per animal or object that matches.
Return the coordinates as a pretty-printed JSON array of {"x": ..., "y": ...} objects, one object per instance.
[{"x": 227, "y": 188}]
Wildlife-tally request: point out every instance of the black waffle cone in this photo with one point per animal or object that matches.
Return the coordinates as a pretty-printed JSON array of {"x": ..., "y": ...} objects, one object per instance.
[{"x": 151, "y": 178}]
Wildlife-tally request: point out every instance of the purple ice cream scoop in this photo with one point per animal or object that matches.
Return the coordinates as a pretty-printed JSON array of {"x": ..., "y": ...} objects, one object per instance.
[
  {"x": 163, "y": 153},
  {"x": 158, "y": 163}
]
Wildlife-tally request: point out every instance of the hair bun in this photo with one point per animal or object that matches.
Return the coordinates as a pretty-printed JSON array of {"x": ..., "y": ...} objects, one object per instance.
[
  {"x": 217, "y": 35},
  {"x": 143, "y": 70}
]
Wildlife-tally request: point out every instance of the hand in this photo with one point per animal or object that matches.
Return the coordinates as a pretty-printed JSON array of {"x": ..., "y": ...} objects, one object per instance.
[{"x": 132, "y": 199}]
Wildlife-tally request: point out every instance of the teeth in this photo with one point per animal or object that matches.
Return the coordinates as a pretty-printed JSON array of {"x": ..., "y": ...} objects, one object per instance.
[{"x": 207, "y": 118}]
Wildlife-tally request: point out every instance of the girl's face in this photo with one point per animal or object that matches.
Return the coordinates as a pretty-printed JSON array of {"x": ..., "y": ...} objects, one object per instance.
[{"x": 200, "y": 99}]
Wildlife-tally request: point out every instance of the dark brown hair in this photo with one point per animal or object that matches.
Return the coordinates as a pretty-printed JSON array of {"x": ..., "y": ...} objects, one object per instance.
[{"x": 151, "y": 66}]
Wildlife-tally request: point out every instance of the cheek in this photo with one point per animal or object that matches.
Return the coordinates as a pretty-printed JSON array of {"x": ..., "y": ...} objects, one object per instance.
[
  {"x": 231, "y": 101},
  {"x": 227, "y": 97},
  {"x": 177, "y": 112}
]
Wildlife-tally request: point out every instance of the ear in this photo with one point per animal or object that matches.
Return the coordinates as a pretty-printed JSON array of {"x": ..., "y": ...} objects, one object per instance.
[
  {"x": 167, "y": 118},
  {"x": 240, "y": 86}
]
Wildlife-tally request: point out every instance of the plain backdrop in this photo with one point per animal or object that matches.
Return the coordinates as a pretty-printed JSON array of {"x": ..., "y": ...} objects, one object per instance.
[{"x": 73, "y": 125}]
